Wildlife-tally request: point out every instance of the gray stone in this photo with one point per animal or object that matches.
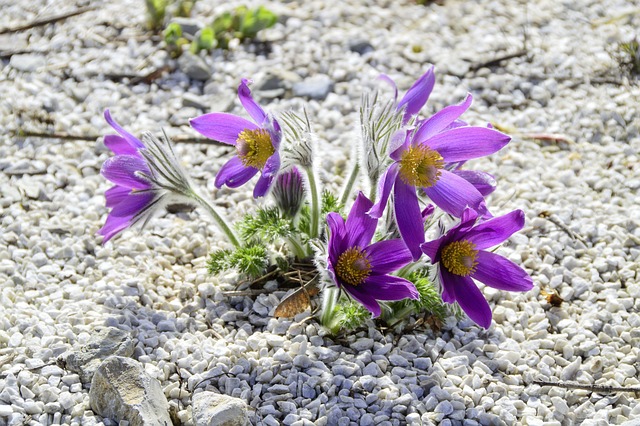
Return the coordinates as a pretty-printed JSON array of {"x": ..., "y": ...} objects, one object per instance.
[
  {"x": 315, "y": 87},
  {"x": 193, "y": 100},
  {"x": 106, "y": 341},
  {"x": 194, "y": 66},
  {"x": 214, "y": 409},
  {"x": 361, "y": 47},
  {"x": 122, "y": 390},
  {"x": 27, "y": 62}
]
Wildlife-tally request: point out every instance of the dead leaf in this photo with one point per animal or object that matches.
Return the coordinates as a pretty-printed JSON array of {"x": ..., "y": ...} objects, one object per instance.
[{"x": 297, "y": 301}]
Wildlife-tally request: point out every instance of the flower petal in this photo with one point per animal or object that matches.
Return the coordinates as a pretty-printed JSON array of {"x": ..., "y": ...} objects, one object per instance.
[
  {"x": 121, "y": 216},
  {"x": 389, "y": 287},
  {"x": 499, "y": 272},
  {"x": 234, "y": 174},
  {"x": 409, "y": 217},
  {"x": 483, "y": 182},
  {"x": 441, "y": 120},
  {"x": 364, "y": 299},
  {"x": 417, "y": 95},
  {"x": 465, "y": 143},
  {"x": 132, "y": 140},
  {"x": 122, "y": 169},
  {"x": 384, "y": 190},
  {"x": 253, "y": 109},
  {"x": 495, "y": 231},
  {"x": 269, "y": 172},
  {"x": 431, "y": 249},
  {"x": 336, "y": 236},
  {"x": 452, "y": 194},
  {"x": 471, "y": 300},
  {"x": 119, "y": 145},
  {"x": 388, "y": 256},
  {"x": 447, "y": 281},
  {"x": 400, "y": 142},
  {"x": 221, "y": 127},
  {"x": 115, "y": 195},
  {"x": 360, "y": 227}
]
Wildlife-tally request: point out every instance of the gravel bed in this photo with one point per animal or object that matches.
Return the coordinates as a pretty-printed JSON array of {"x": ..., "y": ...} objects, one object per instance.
[{"x": 58, "y": 284}]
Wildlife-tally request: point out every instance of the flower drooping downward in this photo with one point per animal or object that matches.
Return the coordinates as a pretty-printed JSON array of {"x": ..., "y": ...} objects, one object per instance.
[
  {"x": 420, "y": 163},
  {"x": 256, "y": 143},
  {"x": 462, "y": 257},
  {"x": 362, "y": 269},
  {"x": 146, "y": 177}
]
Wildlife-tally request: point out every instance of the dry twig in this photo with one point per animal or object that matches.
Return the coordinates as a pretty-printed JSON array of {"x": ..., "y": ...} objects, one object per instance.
[{"x": 47, "y": 20}]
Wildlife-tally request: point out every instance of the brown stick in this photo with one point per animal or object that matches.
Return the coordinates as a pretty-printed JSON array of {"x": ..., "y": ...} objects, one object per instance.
[
  {"x": 496, "y": 61},
  {"x": 592, "y": 388},
  {"x": 48, "y": 20}
]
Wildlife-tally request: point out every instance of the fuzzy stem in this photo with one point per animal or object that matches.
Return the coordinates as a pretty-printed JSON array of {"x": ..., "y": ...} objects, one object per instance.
[
  {"x": 349, "y": 187},
  {"x": 217, "y": 218},
  {"x": 299, "y": 251},
  {"x": 315, "y": 202},
  {"x": 329, "y": 300}
]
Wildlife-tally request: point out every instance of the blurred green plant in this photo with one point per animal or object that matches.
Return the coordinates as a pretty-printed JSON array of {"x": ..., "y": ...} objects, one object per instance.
[
  {"x": 627, "y": 55},
  {"x": 242, "y": 24},
  {"x": 156, "y": 13}
]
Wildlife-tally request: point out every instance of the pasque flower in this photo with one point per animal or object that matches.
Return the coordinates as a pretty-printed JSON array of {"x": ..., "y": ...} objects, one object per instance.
[
  {"x": 419, "y": 162},
  {"x": 256, "y": 143},
  {"x": 417, "y": 95},
  {"x": 362, "y": 269},
  {"x": 462, "y": 257},
  {"x": 146, "y": 176}
]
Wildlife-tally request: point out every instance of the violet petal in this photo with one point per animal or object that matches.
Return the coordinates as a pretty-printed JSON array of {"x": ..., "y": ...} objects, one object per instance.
[
  {"x": 388, "y": 256},
  {"x": 221, "y": 127},
  {"x": 452, "y": 194},
  {"x": 441, "y": 120},
  {"x": 409, "y": 217},
  {"x": 465, "y": 143},
  {"x": 471, "y": 300},
  {"x": 499, "y": 272},
  {"x": 495, "y": 231},
  {"x": 359, "y": 226},
  {"x": 253, "y": 109},
  {"x": 234, "y": 174}
]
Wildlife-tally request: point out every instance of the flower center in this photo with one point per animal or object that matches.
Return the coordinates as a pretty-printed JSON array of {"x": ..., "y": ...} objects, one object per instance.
[
  {"x": 459, "y": 257},
  {"x": 420, "y": 166},
  {"x": 254, "y": 148},
  {"x": 353, "y": 266}
]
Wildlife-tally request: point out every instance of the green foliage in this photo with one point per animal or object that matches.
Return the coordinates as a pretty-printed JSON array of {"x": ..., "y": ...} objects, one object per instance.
[
  {"x": 250, "y": 260},
  {"x": 156, "y": 12},
  {"x": 351, "y": 314},
  {"x": 628, "y": 56},
  {"x": 204, "y": 41},
  {"x": 266, "y": 225},
  {"x": 172, "y": 33},
  {"x": 185, "y": 7},
  {"x": 429, "y": 301},
  {"x": 330, "y": 203},
  {"x": 243, "y": 24}
]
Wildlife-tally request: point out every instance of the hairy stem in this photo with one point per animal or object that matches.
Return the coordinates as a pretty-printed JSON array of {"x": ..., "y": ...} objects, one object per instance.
[
  {"x": 346, "y": 192},
  {"x": 222, "y": 224},
  {"x": 315, "y": 202},
  {"x": 329, "y": 300},
  {"x": 299, "y": 251}
]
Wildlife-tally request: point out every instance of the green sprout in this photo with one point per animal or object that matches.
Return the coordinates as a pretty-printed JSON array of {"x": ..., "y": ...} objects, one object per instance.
[
  {"x": 250, "y": 260},
  {"x": 156, "y": 12}
]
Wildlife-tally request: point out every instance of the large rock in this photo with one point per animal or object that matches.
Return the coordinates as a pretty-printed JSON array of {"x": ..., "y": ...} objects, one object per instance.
[
  {"x": 106, "y": 341},
  {"x": 316, "y": 87},
  {"x": 122, "y": 390},
  {"x": 214, "y": 409},
  {"x": 194, "y": 66}
]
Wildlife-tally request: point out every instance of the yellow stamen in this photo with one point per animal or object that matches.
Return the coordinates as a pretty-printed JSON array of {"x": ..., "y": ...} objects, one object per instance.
[
  {"x": 254, "y": 147},
  {"x": 459, "y": 257},
  {"x": 420, "y": 166},
  {"x": 353, "y": 267}
]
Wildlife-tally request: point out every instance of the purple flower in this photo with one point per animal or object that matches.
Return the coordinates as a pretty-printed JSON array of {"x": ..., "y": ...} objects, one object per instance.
[
  {"x": 362, "y": 269},
  {"x": 256, "y": 143},
  {"x": 288, "y": 191},
  {"x": 420, "y": 162},
  {"x": 132, "y": 194},
  {"x": 417, "y": 95},
  {"x": 462, "y": 257},
  {"x": 145, "y": 175}
]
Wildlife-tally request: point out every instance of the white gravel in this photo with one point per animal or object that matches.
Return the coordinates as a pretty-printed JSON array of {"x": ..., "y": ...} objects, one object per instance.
[{"x": 58, "y": 283}]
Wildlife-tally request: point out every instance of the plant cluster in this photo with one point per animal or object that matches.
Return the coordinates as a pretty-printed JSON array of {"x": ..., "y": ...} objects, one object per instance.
[
  {"x": 241, "y": 24},
  {"x": 415, "y": 244}
]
